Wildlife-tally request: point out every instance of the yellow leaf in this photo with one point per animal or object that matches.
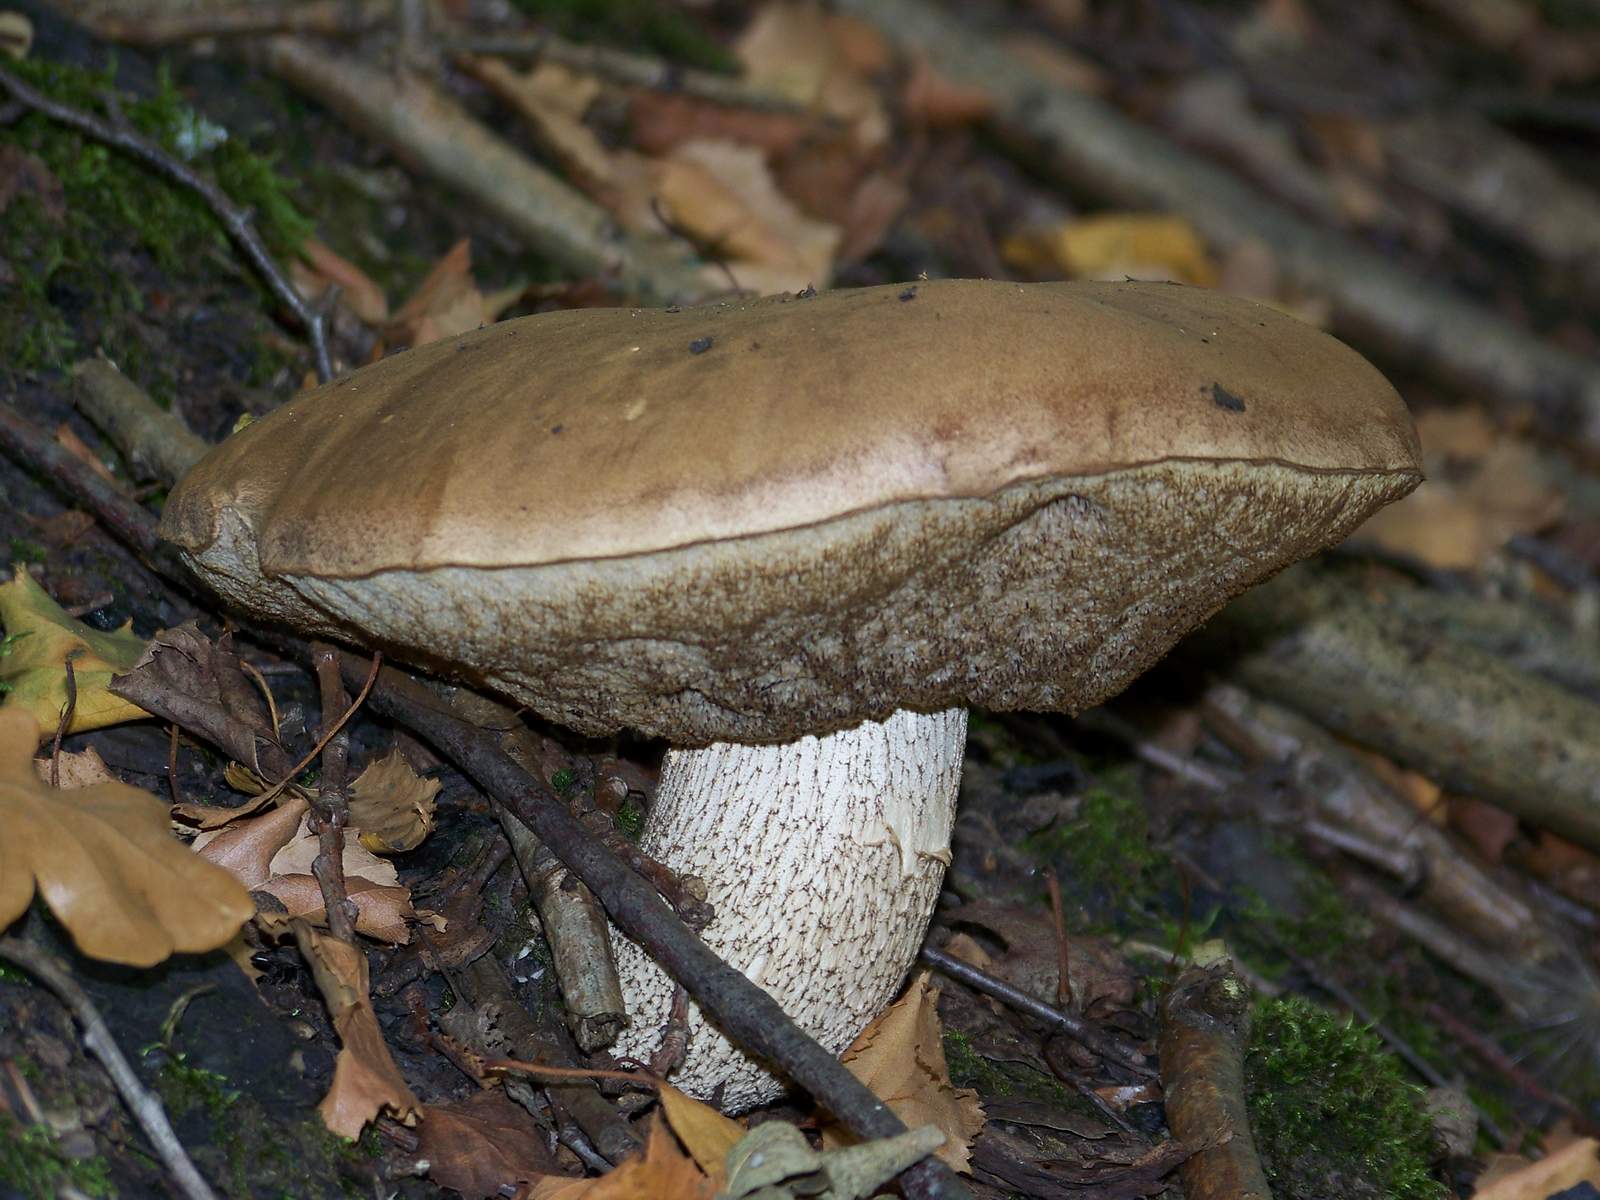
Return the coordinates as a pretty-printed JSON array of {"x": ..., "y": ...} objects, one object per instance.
[
  {"x": 900, "y": 1056},
  {"x": 39, "y": 640},
  {"x": 704, "y": 1132},
  {"x": 105, "y": 863},
  {"x": 1113, "y": 245}
]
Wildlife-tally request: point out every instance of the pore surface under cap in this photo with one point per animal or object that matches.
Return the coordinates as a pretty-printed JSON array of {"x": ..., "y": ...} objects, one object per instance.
[{"x": 760, "y": 519}]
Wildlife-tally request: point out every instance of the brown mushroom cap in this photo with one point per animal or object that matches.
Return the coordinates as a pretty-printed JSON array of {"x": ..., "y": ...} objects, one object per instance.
[{"x": 753, "y": 520}]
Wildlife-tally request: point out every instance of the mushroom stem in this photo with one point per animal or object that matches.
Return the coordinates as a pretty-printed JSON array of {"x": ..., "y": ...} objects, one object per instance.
[{"x": 822, "y": 859}]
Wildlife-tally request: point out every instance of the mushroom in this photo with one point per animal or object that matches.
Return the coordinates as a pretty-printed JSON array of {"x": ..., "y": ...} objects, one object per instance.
[{"x": 795, "y": 537}]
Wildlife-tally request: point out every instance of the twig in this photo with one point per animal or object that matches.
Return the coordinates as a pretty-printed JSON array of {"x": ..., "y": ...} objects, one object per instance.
[
  {"x": 744, "y": 1010},
  {"x": 143, "y": 1104},
  {"x": 1077, "y": 1028},
  {"x": 1375, "y": 300},
  {"x": 329, "y": 18},
  {"x": 330, "y": 807},
  {"x": 153, "y": 439},
  {"x": 234, "y": 220},
  {"x": 67, "y": 710}
]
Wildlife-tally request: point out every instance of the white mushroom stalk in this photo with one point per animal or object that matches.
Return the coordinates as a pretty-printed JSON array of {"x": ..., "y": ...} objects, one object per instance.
[{"x": 822, "y": 859}]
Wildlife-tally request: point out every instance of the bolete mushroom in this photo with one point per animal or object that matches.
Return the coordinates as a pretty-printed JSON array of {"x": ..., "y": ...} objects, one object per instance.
[{"x": 796, "y": 537}]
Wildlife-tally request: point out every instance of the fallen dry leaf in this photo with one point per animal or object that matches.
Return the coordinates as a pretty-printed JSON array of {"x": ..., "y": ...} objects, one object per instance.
[
  {"x": 246, "y": 848},
  {"x": 723, "y": 196},
  {"x": 447, "y": 302},
  {"x": 39, "y": 641},
  {"x": 1116, "y": 246},
  {"x": 1513, "y": 1178},
  {"x": 821, "y": 62},
  {"x": 103, "y": 860},
  {"x": 900, "y": 1056},
  {"x": 319, "y": 267},
  {"x": 391, "y": 806},
  {"x": 365, "y": 1079},
  {"x": 382, "y": 912},
  {"x": 76, "y": 769},
  {"x": 478, "y": 1144},
  {"x": 662, "y": 1171},
  {"x": 1483, "y": 486},
  {"x": 704, "y": 1132}
]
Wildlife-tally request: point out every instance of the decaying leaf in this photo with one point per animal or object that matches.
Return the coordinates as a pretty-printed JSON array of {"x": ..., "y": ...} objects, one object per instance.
[
  {"x": 391, "y": 805},
  {"x": 76, "y": 769},
  {"x": 365, "y": 1079},
  {"x": 476, "y": 1145},
  {"x": 39, "y": 641},
  {"x": 820, "y": 61},
  {"x": 105, "y": 863},
  {"x": 246, "y": 848},
  {"x": 318, "y": 267},
  {"x": 901, "y": 1058},
  {"x": 662, "y": 1170}
]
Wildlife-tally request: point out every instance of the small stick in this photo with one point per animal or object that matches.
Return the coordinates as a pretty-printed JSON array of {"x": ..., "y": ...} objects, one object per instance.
[
  {"x": 67, "y": 710},
  {"x": 330, "y": 807},
  {"x": 172, "y": 765},
  {"x": 236, "y": 221},
  {"x": 1063, "y": 948},
  {"x": 144, "y": 1105},
  {"x": 1075, "y": 1027}
]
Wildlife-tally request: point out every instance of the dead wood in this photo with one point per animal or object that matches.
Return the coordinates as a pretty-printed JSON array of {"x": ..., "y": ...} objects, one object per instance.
[
  {"x": 1377, "y": 303},
  {"x": 432, "y": 133},
  {"x": 1205, "y": 1025},
  {"x": 1467, "y": 719}
]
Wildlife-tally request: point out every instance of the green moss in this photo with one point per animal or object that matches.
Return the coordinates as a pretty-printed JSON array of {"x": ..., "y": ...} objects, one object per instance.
[
  {"x": 33, "y": 1164},
  {"x": 62, "y": 233},
  {"x": 993, "y": 1079},
  {"x": 564, "y": 781},
  {"x": 25, "y": 551},
  {"x": 1103, "y": 855},
  {"x": 648, "y": 25},
  {"x": 1333, "y": 1113},
  {"x": 630, "y": 819}
]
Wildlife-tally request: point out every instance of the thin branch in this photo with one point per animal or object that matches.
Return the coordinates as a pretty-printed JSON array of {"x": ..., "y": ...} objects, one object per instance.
[
  {"x": 236, "y": 221},
  {"x": 1077, "y": 1028},
  {"x": 142, "y": 1103}
]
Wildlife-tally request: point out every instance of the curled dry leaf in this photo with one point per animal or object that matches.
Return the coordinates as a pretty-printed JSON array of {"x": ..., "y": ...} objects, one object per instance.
[
  {"x": 820, "y": 61},
  {"x": 900, "y": 1056},
  {"x": 391, "y": 805},
  {"x": 76, "y": 769},
  {"x": 1510, "y": 1177},
  {"x": 39, "y": 641},
  {"x": 447, "y": 302},
  {"x": 365, "y": 1079},
  {"x": 105, "y": 863}
]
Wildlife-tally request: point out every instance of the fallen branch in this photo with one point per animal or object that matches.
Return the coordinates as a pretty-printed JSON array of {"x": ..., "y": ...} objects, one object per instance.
[
  {"x": 142, "y": 1103},
  {"x": 1205, "y": 1023},
  {"x": 235, "y": 221},
  {"x": 434, "y": 134},
  {"x": 1465, "y": 718},
  {"x": 1097, "y": 150}
]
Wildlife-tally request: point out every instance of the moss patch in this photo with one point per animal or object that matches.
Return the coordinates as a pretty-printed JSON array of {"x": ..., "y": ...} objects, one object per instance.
[
  {"x": 648, "y": 25},
  {"x": 32, "y": 1164},
  {"x": 1333, "y": 1113},
  {"x": 80, "y": 201},
  {"x": 1103, "y": 855}
]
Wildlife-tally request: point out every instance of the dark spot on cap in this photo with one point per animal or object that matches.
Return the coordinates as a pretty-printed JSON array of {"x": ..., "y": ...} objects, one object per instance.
[
  {"x": 806, "y": 292},
  {"x": 557, "y": 428},
  {"x": 673, "y": 308},
  {"x": 755, "y": 345},
  {"x": 1226, "y": 399},
  {"x": 909, "y": 294},
  {"x": 701, "y": 344}
]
